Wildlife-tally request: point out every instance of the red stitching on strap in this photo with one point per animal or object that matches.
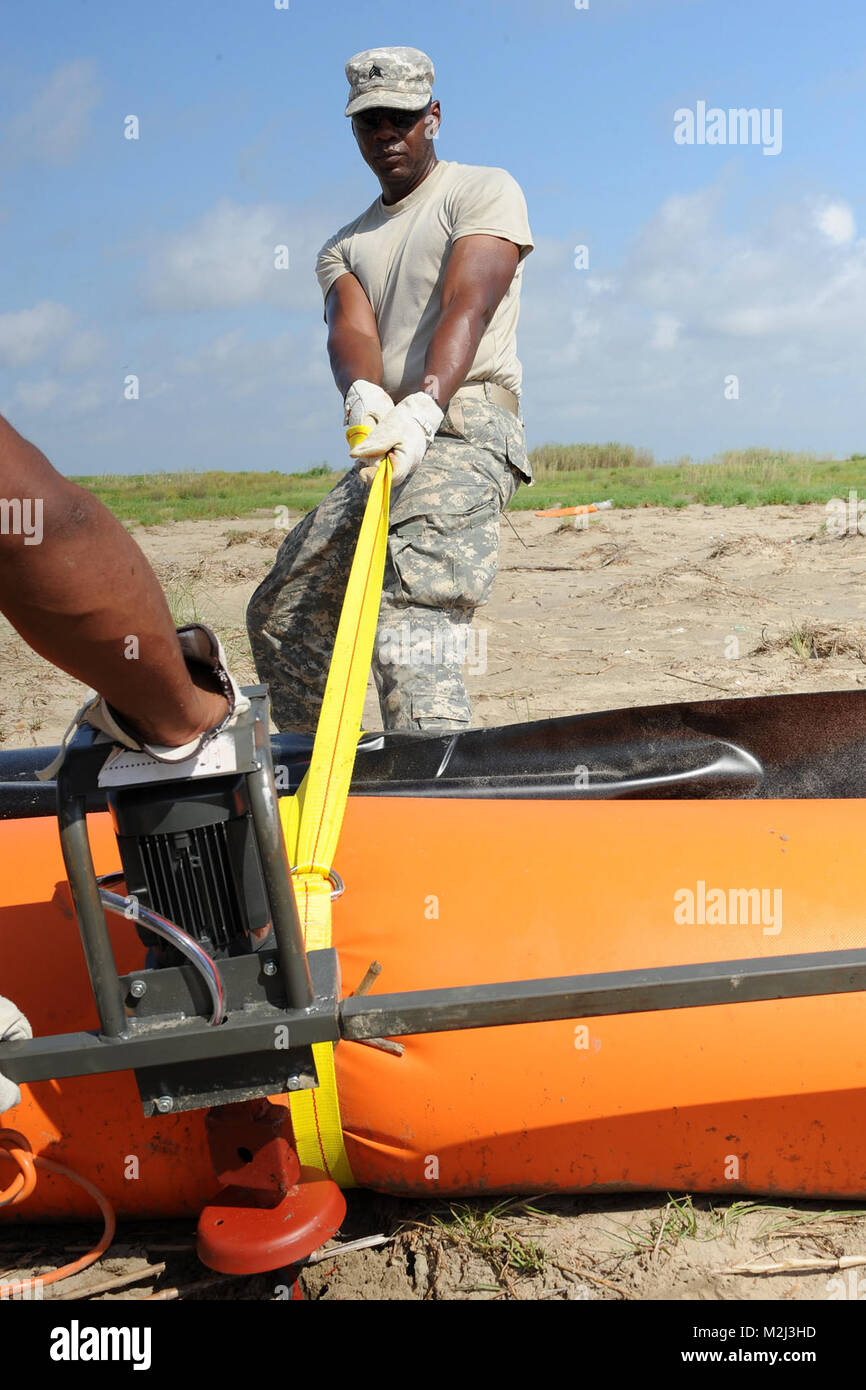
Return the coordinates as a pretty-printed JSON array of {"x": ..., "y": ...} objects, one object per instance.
[{"x": 343, "y": 707}]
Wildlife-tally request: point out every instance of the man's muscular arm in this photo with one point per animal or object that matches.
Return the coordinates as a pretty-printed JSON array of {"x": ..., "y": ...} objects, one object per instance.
[
  {"x": 78, "y": 593},
  {"x": 353, "y": 335},
  {"x": 479, "y": 271}
]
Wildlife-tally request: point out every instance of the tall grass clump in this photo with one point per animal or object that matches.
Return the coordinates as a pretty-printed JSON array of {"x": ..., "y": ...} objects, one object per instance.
[{"x": 570, "y": 458}]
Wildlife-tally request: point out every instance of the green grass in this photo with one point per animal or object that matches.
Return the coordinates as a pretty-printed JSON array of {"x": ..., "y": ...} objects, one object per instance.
[
  {"x": 472, "y": 1228},
  {"x": 750, "y": 478},
  {"x": 151, "y": 498},
  {"x": 675, "y": 1221},
  {"x": 566, "y": 475},
  {"x": 182, "y": 603},
  {"x": 568, "y": 458},
  {"x": 679, "y": 1219}
]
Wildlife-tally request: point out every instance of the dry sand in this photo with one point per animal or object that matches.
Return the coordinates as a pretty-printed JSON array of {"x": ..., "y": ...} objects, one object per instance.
[{"x": 643, "y": 606}]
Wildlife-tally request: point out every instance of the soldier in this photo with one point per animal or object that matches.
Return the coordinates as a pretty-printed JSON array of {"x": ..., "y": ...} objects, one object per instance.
[{"x": 421, "y": 301}]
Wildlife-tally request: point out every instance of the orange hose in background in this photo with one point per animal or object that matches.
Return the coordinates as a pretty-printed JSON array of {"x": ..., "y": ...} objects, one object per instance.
[
  {"x": 17, "y": 1147},
  {"x": 572, "y": 511}
]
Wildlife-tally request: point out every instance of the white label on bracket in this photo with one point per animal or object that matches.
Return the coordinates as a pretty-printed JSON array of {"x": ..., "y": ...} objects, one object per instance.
[{"x": 124, "y": 768}]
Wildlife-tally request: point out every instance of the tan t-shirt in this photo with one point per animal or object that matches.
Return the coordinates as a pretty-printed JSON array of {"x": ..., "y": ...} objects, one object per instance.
[{"x": 400, "y": 252}]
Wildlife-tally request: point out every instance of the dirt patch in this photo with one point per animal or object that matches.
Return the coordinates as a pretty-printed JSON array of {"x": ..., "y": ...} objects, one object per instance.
[
  {"x": 272, "y": 538},
  {"x": 738, "y": 546},
  {"x": 562, "y": 1249}
]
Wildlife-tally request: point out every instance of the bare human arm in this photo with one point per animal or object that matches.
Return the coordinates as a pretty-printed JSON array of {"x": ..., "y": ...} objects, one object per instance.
[
  {"x": 354, "y": 348},
  {"x": 479, "y": 271},
  {"x": 78, "y": 588}
]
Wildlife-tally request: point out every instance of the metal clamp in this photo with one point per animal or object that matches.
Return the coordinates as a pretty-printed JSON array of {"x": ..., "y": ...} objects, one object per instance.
[{"x": 330, "y": 874}]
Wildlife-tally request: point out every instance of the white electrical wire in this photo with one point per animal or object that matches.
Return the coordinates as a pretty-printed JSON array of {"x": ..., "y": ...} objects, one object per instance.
[{"x": 186, "y": 944}]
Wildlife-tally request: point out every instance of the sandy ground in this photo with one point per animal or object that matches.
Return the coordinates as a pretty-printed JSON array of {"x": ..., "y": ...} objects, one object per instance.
[{"x": 642, "y": 606}]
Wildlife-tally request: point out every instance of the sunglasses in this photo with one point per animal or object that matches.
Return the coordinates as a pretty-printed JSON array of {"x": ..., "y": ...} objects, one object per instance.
[{"x": 402, "y": 120}]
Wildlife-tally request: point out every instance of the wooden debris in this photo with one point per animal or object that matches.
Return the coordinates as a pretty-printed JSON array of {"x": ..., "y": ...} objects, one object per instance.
[
  {"x": 166, "y": 1295},
  {"x": 813, "y": 1265},
  {"x": 382, "y": 1045},
  {"x": 373, "y": 972},
  {"x": 364, "y": 1243},
  {"x": 118, "y": 1282},
  {"x": 593, "y": 1278}
]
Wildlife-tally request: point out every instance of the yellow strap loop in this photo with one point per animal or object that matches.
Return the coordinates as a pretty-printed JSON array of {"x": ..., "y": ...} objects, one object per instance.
[{"x": 313, "y": 817}]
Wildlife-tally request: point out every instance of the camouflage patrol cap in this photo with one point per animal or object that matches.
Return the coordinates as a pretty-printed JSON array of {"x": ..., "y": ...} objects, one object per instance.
[{"x": 401, "y": 78}]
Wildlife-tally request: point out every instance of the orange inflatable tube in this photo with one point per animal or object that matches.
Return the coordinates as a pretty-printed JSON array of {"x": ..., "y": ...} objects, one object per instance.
[{"x": 759, "y": 1097}]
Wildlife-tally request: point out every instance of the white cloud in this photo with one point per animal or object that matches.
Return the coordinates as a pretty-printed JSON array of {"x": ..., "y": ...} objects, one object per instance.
[
  {"x": 783, "y": 278},
  {"x": 27, "y": 334},
  {"x": 639, "y": 351},
  {"x": 47, "y": 333},
  {"x": 83, "y": 349},
  {"x": 780, "y": 303},
  {"x": 282, "y": 369},
  {"x": 66, "y": 399},
  {"x": 667, "y": 331},
  {"x": 583, "y": 325},
  {"x": 53, "y": 126},
  {"x": 600, "y": 284},
  {"x": 238, "y": 402},
  {"x": 226, "y": 260},
  {"x": 836, "y": 221},
  {"x": 226, "y": 349}
]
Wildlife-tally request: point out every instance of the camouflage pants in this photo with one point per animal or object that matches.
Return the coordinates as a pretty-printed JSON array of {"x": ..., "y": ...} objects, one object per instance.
[{"x": 443, "y": 550}]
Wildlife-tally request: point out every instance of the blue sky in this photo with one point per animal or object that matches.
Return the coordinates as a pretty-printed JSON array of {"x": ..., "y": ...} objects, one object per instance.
[{"x": 706, "y": 261}]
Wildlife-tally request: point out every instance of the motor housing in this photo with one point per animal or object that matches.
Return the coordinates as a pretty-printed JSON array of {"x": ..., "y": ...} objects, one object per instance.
[{"x": 193, "y": 858}]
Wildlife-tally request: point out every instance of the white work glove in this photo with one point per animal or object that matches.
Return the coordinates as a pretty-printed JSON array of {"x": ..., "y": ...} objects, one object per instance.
[
  {"x": 406, "y": 433},
  {"x": 200, "y": 646},
  {"x": 366, "y": 404},
  {"x": 13, "y": 1028}
]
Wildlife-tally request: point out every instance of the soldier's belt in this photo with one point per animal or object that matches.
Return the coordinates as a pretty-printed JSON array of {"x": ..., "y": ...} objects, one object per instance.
[
  {"x": 454, "y": 422},
  {"x": 496, "y": 395}
]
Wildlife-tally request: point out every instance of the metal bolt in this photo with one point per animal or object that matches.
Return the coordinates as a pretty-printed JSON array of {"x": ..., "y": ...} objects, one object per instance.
[
  {"x": 138, "y": 988},
  {"x": 164, "y": 1104},
  {"x": 270, "y": 967}
]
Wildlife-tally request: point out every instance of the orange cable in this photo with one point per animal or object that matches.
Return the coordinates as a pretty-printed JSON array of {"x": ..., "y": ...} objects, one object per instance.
[{"x": 19, "y": 1149}]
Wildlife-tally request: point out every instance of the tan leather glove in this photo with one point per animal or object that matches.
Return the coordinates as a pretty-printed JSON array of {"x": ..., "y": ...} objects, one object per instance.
[
  {"x": 13, "y": 1028},
  {"x": 366, "y": 404},
  {"x": 200, "y": 646},
  {"x": 406, "y": 433}
]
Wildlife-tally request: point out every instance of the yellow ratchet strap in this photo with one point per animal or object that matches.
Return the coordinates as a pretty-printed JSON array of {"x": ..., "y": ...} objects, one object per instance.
[{"x": 312, "y": 818}]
